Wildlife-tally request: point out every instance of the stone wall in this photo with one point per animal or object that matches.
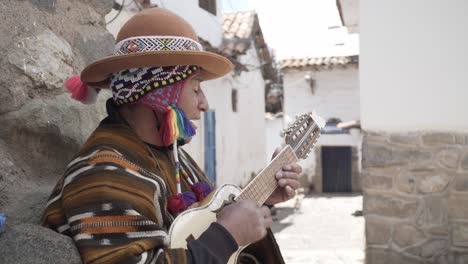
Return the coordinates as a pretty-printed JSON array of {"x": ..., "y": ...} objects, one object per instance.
[
  {"x": 43, "y": 42},
  {"x": 415, "y": 197}
]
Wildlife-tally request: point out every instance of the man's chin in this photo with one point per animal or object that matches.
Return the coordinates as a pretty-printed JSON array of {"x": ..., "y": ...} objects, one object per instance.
[{"x": 193, "y": 124}]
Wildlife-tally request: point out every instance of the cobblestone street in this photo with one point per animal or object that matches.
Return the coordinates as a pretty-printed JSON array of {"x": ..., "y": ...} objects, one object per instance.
[{"x": 321, "y": 229}]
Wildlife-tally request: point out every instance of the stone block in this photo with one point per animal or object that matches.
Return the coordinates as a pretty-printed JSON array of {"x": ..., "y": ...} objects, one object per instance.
[
  {"x": 374, "y": 155},
  {"x": 406, "y": 182},
  {"x": 387, "y": 256},
  {"x": 410, "y": 139},
  {"x": 434, "y": 248},
  {"x": 438, "y": 139},
  {"x": 459, "y": 139},
  {"x": 13, "y": 96},
  {"x": 424, "y": 181},
  {"x": 461, "y": 182},
  {"x": 406, "y": 235},
  {"x": 457, "y": 204},
  {"x": 460, "y": 234},
  {"x": 102, "y": 6},
  {"x": 378, "y": 155},
  {"x": 390, "y": 206},
  {"x": 448, "y": 157},
  {"x": 45, "y": 58},
  {"x": 434, "y": 212},
  {"x": 28, "y": 204},
  {"x": 440, "y": 231},
  {"x": 28, "y": 243},
  {"x": 458, "y": 256},
  {"x": 375, "y": 136},
  {"x": 464, "y": 162},
  {"x": 92, "y": 43},
  {"x": 49, "y": 133},
  {"x": 378, "y": 231},
  {"x": 432, "y": 182},
  {"x": 379, "y": 178}
]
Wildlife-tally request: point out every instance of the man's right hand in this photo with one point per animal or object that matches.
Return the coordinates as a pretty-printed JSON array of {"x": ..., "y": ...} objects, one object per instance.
[{"x": 246, "y": 221}]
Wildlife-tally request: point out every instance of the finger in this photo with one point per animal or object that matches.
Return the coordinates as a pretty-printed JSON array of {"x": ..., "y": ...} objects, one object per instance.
[
  {"x": 290, "y": 192},
  {"x": 252, "y": 203},
  {"x": 276, "y": 152},
  {"x": 263, "y": 232},
  {"x": 294, "y": 167},
  {"x": 268, "y": 222},
  {"x": 265, "y": 212},
  {"x": 294, "y": 184},
  {"x": 287, "y": 175}
]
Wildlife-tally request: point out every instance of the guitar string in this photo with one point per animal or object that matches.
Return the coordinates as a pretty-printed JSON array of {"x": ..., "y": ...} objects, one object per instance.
[
  {"x": 259, "y": 191},
  {"x": 262, "y": 184}
]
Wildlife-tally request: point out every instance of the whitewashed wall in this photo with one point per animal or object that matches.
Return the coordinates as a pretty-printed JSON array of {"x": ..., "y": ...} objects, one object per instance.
[
  {"x": 414, "y": 66},
  {"x": 207, "y": 25},
  {"x": 273, "y": 128},
  {"x": 350, "y": 13},
  {"x": 336, "y": 93},
  {"x": 240, "y": 136}
]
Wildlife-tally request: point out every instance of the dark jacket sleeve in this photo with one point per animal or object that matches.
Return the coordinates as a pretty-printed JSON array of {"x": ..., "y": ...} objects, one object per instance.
[{"x": 215, "y": 245}]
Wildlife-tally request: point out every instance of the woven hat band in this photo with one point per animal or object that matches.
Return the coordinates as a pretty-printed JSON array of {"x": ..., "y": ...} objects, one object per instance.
[{"x": 155, "y": 43}]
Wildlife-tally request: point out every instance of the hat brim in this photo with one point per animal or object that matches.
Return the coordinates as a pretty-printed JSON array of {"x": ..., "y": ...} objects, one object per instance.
[{"x": 212, "y": 65}]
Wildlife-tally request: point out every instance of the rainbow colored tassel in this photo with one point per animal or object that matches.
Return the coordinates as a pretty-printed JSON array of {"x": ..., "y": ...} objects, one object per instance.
[{"x": 175, "y": 126}]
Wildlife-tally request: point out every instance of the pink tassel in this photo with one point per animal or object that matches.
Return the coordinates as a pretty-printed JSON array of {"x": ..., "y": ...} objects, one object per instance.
[{"x": 78, "y": 89}]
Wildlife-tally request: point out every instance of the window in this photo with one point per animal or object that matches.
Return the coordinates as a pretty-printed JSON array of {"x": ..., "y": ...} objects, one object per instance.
[{"x": 208, "y": 5}]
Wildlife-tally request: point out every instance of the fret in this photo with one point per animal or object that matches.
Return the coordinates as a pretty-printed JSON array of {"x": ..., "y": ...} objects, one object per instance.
[{"x": 263, "y": 185}]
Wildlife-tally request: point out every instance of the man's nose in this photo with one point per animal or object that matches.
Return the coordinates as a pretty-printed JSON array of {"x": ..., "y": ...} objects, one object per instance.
[{"x": 203, "y": 101}]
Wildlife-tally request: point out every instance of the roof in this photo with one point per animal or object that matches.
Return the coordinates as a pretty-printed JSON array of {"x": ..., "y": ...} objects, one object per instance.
[
  {"x": 239, "y": 24},
  {"x": 319, "y": 63},
  {"x": 239, "y": 29},
  {"x": 242, "y": 31}
]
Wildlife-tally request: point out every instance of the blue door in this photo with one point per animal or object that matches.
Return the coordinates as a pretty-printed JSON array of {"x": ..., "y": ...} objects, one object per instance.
[{"x": 210, "y": 145}]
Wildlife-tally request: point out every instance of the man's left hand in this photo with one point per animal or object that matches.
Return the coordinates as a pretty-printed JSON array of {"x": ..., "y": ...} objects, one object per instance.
[{"x": 288, "y": 182}]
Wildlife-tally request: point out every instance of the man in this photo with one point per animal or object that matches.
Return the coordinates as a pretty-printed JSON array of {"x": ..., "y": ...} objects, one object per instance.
[{"x": 120, "y": 194}]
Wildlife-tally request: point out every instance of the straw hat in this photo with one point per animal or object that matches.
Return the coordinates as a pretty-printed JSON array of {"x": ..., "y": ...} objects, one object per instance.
[{"x": 156, "y": 37}]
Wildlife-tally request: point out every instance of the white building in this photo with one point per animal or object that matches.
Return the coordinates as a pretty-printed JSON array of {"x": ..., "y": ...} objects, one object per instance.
[
  {"x": 329, "y": 86},
  {"x": 234, "y": 128},
  {"x": 415, "y": 121}
]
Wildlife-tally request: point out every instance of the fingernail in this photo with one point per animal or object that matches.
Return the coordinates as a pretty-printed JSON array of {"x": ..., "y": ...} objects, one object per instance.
[{"x": 287, "y": 167}]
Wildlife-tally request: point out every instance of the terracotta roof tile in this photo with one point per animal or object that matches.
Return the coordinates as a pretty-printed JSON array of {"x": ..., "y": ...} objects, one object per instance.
[
  {"x": 320, "y": 62},
  {"x": 239, "y": 24}
]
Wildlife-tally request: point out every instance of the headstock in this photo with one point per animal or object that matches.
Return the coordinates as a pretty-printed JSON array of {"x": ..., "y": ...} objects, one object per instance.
[{"x": 303, "y": 133}]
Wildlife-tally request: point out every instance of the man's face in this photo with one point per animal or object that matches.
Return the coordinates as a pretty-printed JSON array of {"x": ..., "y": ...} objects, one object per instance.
[{"x": 192, "y": 99}]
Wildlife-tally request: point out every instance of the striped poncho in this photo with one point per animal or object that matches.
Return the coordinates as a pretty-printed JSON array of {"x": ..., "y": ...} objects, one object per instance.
[{"x": 112, "y": 201}]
